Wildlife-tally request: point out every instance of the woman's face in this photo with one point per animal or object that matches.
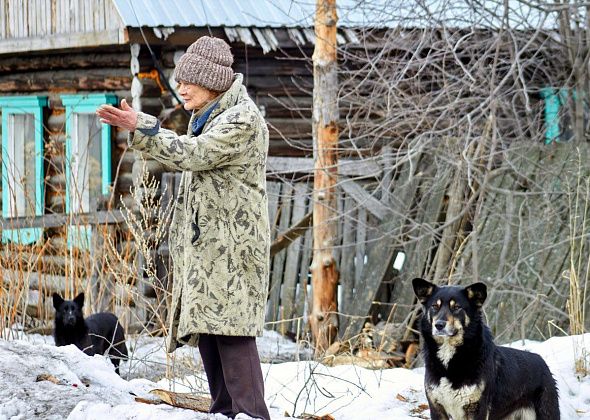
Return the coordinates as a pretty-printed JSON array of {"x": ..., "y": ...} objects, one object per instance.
[{"x": 195, "y": 96}]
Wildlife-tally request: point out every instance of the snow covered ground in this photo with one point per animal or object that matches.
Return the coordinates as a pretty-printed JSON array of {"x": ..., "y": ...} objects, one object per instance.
[{"x": 88, "y": 388}]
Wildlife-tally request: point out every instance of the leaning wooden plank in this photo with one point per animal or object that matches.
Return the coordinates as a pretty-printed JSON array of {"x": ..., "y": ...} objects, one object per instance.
[
  {"x": 301, "y": 294},
  {"x": 287, "y": 238},
  {"x": 449, "y": 241},
  {"x": 380, "y": 255},
  {"x": 337, "y": 251},
  {"x": 365, "y": 199},
  {"x": 431, "y": 203},
  {"x": 387, "y": 177},
  {"x": 361, "y": 244},
  {"x": 291, "y": 271}
]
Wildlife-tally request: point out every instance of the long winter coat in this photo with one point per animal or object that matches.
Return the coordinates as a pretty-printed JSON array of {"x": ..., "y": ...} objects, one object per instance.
[{"x": 219, "y": 234}]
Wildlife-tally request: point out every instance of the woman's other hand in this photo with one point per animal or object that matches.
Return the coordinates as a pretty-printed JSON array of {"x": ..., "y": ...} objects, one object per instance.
[{"x": 125, "y": 117}]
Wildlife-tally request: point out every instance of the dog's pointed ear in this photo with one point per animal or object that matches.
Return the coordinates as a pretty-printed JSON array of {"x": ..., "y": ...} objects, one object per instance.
[
  {"x": 477, "y": 293},
  {"x": 57, "y": 300},
  {"x": 79, "y": 300},
  {"x": 423, "y": 289}
]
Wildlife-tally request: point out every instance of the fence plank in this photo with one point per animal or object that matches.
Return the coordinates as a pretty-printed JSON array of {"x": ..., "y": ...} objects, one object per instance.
[
  {"x": 279, "y": 259},
  {"x": 348, "y": 254},
  {"x": 417, "y": 262},
  {"x": 302, "y": 292},
  {"x": 380, "y": 255},
  {"x": 364, "y": 168},
  {"x": 273, "y": 190},
  {"x": 361, "y": 238},
  {"x": 290, "y": 275}
]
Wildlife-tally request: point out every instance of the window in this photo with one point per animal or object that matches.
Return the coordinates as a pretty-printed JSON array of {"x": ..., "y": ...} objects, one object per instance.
[
  {"x": 560, "y": 114},
  {"x": 88, "y": 160},
  {"x": 22, "y": 163}
]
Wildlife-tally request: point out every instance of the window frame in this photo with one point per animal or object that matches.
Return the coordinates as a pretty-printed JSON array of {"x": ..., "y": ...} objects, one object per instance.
[
  {"x": 79, "y": 236},
  {"x": 23, "y": 105}
]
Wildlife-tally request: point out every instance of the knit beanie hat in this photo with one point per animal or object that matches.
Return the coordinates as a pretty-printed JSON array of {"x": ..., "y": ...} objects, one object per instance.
[{"x": 207, "y": 63}]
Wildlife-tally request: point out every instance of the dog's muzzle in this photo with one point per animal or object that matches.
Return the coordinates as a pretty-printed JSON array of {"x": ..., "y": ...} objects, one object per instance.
[
  {"x": 442, "y": 328},
  {"x": 69, "y": 320}
]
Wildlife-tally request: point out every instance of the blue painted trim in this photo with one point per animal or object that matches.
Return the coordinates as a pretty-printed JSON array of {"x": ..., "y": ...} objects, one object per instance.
[
  {"x": 12, "y": 105},
  {"x": 552, "y": 105},
  {"x": 79, "y": 236}
]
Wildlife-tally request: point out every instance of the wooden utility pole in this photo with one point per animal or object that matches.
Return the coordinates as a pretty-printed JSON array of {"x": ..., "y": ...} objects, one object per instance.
[{"x": 324, "y": 273}]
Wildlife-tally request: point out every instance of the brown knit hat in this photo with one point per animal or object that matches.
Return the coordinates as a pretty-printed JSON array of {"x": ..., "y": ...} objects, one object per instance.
[{"x": 207, "y": 63}]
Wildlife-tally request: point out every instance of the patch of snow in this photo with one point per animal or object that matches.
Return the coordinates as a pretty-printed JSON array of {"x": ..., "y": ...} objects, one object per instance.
[{"x": 88, "y": 387}]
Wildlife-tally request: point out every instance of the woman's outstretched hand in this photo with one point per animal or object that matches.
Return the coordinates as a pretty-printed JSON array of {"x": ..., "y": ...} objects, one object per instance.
[{"x": 126, "y": 117}]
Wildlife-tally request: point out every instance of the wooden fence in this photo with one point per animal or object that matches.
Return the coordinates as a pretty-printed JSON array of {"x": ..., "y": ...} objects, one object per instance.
[{"x": 289, "y": 189}]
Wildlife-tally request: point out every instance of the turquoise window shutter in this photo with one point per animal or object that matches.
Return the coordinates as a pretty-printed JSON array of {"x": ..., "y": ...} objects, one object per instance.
[
  {"x": 22, "y": 163},
  {"x": 83, "y": 144},
  {"x": 558, "y": 114},
  {"x": 552, "y": 105}
]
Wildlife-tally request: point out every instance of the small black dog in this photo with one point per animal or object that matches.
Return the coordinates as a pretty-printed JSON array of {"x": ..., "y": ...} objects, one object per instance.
[
  {"x": 467, "y": 375},
  {"x": 98, "y": 334}
]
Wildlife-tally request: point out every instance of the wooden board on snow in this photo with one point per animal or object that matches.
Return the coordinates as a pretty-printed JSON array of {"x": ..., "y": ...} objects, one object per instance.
[{"x": 178, "y": 399}]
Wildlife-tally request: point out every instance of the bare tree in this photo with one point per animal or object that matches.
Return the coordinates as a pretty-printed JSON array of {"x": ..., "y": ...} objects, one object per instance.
[
  {"x": 325, "y": 127},
  {"x": 454, "y": 96}
]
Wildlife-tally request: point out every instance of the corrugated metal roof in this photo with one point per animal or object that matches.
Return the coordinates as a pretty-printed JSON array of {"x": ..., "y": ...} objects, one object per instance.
[
  {"x": 246, "y": 13},
  {"x": 351, "y": 13}
]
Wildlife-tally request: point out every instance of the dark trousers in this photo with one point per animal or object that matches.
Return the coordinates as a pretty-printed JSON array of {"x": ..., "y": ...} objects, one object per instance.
[{"x": 235, "y": 378}]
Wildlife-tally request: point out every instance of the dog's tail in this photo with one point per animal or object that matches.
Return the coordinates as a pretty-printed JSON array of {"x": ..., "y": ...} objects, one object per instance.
[{"x": 547, "y": 400}]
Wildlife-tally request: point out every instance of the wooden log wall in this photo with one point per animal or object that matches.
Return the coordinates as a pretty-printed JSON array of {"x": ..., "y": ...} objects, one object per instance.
[
  {"x": 96, "y": 70},
  {"x": 280, "y": 83}
]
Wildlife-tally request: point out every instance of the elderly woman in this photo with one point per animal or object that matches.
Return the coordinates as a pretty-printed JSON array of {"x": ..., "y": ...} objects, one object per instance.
[{"x": 219, "y": 235}]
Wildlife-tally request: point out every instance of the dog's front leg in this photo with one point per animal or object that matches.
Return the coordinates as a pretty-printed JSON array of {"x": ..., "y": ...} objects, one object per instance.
[
  {"x": 479, "y": 411},
  {"x": 437, "y": 411}
]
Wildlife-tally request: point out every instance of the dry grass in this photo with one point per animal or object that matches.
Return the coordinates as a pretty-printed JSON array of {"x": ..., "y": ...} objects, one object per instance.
[
  {"x": 579, "y": 270},
  {"x": 107, "y": 272}
]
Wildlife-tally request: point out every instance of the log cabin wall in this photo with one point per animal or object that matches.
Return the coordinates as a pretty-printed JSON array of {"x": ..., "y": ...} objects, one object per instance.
[{"x": 51, "y": 75}]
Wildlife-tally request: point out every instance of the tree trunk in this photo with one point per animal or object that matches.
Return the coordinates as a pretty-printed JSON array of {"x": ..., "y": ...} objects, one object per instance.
[{"x": 323, "y": 317}]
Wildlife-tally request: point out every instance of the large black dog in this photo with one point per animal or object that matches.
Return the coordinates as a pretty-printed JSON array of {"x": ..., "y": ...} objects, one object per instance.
[
  {"x": 98, "y": 334},
  {"x": 467, "y": 375}
]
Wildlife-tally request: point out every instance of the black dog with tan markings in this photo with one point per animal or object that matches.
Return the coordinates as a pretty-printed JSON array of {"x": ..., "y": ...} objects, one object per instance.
[{"x": 467, "y": 376}]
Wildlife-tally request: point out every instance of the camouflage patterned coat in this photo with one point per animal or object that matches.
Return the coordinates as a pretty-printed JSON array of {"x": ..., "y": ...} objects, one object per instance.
[{"x": 219, "y": 235}]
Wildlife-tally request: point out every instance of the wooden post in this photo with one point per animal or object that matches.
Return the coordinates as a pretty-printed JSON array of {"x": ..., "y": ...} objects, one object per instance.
[{"x": 324, "y": 273}]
